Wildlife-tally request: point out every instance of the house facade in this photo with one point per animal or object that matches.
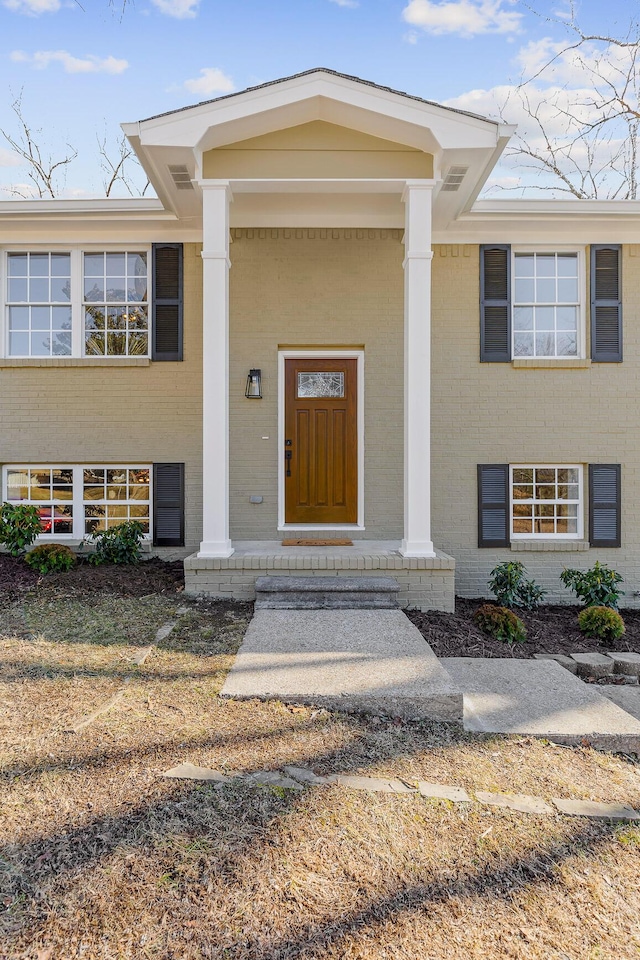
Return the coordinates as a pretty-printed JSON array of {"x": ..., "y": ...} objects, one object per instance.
[{"x": 317, "y": 331}]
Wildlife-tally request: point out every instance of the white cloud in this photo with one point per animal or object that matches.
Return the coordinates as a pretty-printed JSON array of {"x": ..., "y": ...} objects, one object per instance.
[
  {"x": 180, "y": 9},
  {"x": 9, "y": 159},
  {"x": 467, "y": 18},
  {"x": 346, "y": 3},
  {"x": 90, "y": 64},
  {"x": 211, "y": 80},
  {"x": 32, "y": 8}
]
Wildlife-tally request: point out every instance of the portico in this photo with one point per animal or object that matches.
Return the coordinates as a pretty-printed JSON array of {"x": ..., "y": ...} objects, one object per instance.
[{"x": 318, "y": 199}]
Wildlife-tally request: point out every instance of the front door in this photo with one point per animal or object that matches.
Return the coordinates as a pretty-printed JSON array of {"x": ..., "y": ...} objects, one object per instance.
[{"x": 321, "y": 441}]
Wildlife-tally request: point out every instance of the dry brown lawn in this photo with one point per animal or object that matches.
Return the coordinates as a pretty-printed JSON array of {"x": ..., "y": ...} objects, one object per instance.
[{"x": 103, "y": 858}]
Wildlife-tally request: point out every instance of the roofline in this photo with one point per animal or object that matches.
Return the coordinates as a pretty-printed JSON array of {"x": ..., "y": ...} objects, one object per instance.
[
  {"x": 511, "y": 208},
  {"x": 142, "y": 208},
  {"x": 332, "y": 73}
]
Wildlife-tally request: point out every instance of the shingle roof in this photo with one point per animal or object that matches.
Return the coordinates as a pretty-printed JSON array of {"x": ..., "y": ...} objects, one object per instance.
[{"x": 333, "y": 73}]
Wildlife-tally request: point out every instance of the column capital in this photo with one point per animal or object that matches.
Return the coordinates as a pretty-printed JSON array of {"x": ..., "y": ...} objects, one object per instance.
[
  {"x": 218, "y": 186},
  {"x": 413, "y": 186}
]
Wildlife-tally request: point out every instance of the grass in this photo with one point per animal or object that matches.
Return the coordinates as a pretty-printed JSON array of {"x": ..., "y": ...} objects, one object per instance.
[{"x": 103, "y": 859}]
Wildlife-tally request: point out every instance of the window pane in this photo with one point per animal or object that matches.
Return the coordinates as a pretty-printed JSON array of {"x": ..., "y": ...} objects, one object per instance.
[
  {"x": 116, "y": 265},
  {"x": 522, "y": 491},
  {"x": 567, "y": 318},
  {"x": 524, "y": 291},
  {"x": 39, "y": 290},
  {"x": 61, "y": 344},
  {"x": 93, "y": 476},
  {"x": 94, "y": 318},
  {"x": 60, "y": 265},
  {"x": 546, "y": 265},
  {"x": 545, "y": 318},
  {"x": 137, "y": 318},
  {"x": 93, "y": 289},
  {"x": 17, "y": 264},
  {"x": 139, "y": 476},
  {"x": 545, "y": 475},
  {"x": 544, "y": 492},
  {"x": 60, "y": 289},
  {"x": 40, "y": 345},
  {"x": 40, "y": 318},
  {"x": 522, "y": 509},
  {"x": 94, "y": 344},
  {"x": 116, "y": 318},
  {"x": 117, "y": 476},
  {"x": 567, "y": 265},
  {"x": 19, "y": 344},
  {"x": 116, "y": 289},
  {"x": 116, "y": 344},
  {"x": 17, "y": 484},
  {"x": 18, "y": 318},
  {"x": 567, "y": 291},
  {"x": 61, "y": 318},
  {"x": 524, "y": 265},
  {"x": 545, "y": 345},
  {"x": 523, "y": 475},
  {"x": 521, "y": 526},
  {"x": 18, "y": 290},
  {"x": 138, "y": 345},
  {"x": 567, "y": 345},
  {"x": 545, "y": 291},
  {"x": 139, "y": 510},
  {"x": 94, "y": 264},
  {"x": 523, "y": 345},
  {"x": 39, "y": 265}
]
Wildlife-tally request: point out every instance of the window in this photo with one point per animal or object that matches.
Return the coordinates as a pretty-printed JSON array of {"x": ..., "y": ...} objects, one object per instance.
[
  {"x": 115, "y": 305},
  {"x": 546, "y": 305},
  {"x": 39, "y": 304},
  {"x": 75, "y": 501},
  {"x": 546, "y": 501},
  {"x": 74, "y": 303}
]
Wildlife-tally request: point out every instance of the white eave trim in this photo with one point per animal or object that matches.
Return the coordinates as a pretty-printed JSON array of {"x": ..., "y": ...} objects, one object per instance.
[
  {"x": 135, "y": 208},
  {"x": 487, "y": 210}
]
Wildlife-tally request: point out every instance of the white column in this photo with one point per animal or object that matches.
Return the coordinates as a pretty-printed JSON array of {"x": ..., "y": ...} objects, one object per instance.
[
  {"x": 417, "y": 369},
  {"x": 216, "y": 197}
]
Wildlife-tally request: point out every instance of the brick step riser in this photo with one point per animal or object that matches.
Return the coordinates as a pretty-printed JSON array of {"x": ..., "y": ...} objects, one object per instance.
[{"x": 326, "y": 601}]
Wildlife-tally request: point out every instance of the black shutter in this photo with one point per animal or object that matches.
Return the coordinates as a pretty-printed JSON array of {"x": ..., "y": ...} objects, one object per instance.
[
  {"x": 166, "y": 315},
  {"x": 168, "y": 504},
  {"x": 493, "y": 505},
  {"x": 605, "y": 504},
  {"x": 495, "y": 303},
  {"x": 606, "y": 304}
]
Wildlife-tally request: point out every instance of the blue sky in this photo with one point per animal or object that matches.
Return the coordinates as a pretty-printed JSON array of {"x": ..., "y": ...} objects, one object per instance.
[{"x": 82, "y": 70}]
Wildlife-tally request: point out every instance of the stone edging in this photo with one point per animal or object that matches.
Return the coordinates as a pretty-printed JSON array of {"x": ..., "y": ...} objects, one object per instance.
[{"x": 297, "y": 778}]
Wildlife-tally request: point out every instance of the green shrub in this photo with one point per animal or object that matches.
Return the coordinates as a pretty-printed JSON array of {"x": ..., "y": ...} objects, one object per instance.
[
  {"x": 19, "y": 526},
  {"x": 602, "y": 623},
  {"x": 51, "y": 558},
  {"x": 500, "y": 623},
  {"x": 596, "y": 587},
  {"x": 119, "y": 544},
  {"x": 509, "y": 587}
]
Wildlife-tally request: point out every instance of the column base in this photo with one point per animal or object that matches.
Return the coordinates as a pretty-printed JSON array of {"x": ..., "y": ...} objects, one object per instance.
[
  {"x": 417, "y": 548},
  {"x": 211, "y": 550}
]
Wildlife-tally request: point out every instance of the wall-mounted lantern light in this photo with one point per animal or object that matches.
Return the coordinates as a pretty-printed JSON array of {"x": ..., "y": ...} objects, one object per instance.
[{"x": 253, "y": 390}]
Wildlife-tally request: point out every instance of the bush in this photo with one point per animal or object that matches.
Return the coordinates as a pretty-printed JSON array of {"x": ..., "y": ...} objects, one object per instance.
[
  {"x": 595, "y": 587},
  {"x": 509, "y": 587},
  {"x": 500, "y": 623},
  {"x": 602, "y": 623},
  {"x": 19, "y": 526},
  {"x": 51, "y": 558},
  {"x": 119, "y": 544}
]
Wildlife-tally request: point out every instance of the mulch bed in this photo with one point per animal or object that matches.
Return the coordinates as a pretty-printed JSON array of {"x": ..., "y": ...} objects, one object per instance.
[
  {"x": 139, "y": 580},
  {"x": 550, "y": 629}
]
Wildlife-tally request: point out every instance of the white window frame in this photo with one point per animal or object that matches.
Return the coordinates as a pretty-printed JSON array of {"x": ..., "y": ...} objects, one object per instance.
[
  {"x": 550, "y": 248},
  {"x": 77, "y": 501},
  {"x": 581, "y": 502},
  {"x": 77, "y": 296}
]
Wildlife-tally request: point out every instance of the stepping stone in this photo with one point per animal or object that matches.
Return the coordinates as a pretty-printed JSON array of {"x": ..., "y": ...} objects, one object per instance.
[
  {"x": 567, "y": 662},
  {"x": 269, "y": 778},
  {"x": 326, "y": 593},
  {"x": 187, "y": 771},
  {"x": 440, "y": 791},
  {"x": 516, "y": 801},
  {"x": 597, "y": 811},
  {"x": 540, "y": 698},
  {"x": 593, "y": 665},
  {"x": 371, "y": 661},
  {"x": 308, "y": 777},
  {"x": 627, "y": 664},
  {"x": 374, "y": 784},
  {"x": 627, "y": 698}
]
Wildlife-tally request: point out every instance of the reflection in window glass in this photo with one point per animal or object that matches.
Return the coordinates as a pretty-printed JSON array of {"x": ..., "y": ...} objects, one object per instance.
[
  {"x": 545, "y": 501},
  {"x": 50, "y": 490},
  {"x": 545, "y": 305},
  {"x": 112, "y": 495},
  {"x": 116, "y": 317}
]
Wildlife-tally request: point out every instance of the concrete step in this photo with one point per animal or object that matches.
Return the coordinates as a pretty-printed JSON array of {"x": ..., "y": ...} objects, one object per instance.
[
  {"x": 370, "y": 661},
  {"x": 327, "y": 593}
]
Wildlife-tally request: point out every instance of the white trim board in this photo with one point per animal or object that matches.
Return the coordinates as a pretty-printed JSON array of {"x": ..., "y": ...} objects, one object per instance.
[{"x": 320, "y": 354}]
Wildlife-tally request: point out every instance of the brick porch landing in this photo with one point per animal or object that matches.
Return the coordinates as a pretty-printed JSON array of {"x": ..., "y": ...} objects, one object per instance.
[{"x": 425, "y": 584}]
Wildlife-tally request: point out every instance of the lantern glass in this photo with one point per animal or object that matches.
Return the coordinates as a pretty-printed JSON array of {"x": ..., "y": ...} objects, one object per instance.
[{"x": 253, "y": 390}]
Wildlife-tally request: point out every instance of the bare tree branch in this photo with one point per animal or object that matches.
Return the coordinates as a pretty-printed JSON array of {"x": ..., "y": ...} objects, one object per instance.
[{"x": 43, "y": 170}]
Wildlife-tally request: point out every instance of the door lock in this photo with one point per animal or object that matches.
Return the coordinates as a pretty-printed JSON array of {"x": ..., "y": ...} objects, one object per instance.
[{"x": 287, "y": 459}]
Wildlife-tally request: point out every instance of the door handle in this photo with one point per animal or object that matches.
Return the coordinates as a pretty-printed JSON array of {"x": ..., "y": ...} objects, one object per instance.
[{"x": 287, "y": 459}]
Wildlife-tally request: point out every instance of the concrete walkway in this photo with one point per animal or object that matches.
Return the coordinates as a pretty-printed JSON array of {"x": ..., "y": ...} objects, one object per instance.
[
  {"x": 377, "y": 661},
  {"x": 353, "y": 660}
]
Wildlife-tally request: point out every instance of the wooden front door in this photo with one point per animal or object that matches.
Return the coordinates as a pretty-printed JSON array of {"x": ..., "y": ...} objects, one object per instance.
[{"x": 321, "y": 441}]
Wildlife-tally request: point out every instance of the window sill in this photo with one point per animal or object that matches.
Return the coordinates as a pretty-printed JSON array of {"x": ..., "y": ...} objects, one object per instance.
[
  {"x": 75, "y": 362},
  {"x": 551, "y": 363},
  {"x": 555, "y": 546}
]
